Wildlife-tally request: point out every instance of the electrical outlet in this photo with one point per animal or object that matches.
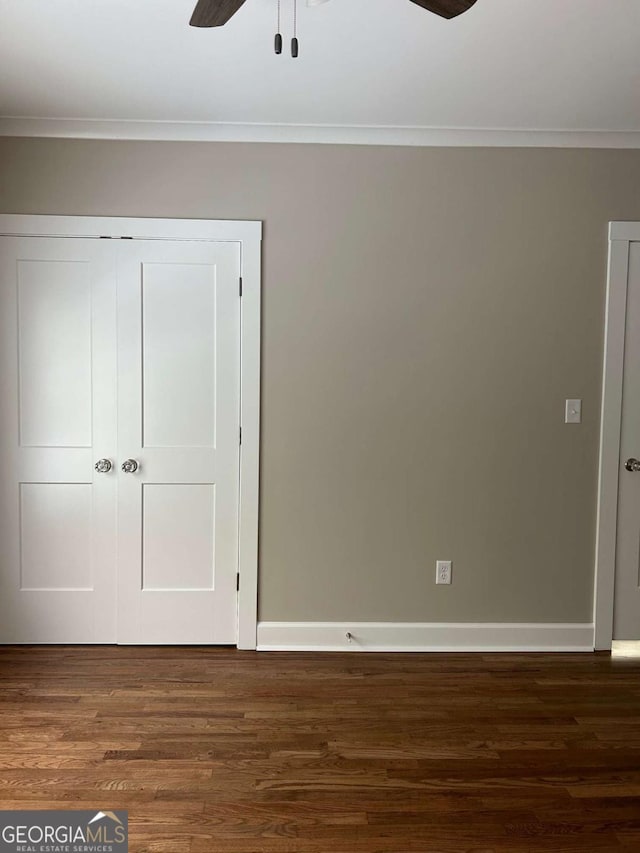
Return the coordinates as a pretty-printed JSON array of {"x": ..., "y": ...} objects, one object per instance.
[{"x": 443, "y": 571}]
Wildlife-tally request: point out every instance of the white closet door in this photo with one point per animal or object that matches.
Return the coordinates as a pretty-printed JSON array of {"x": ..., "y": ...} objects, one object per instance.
[
  {"x": 58, "y": 417},
  {"x": 178, "y": 420}
]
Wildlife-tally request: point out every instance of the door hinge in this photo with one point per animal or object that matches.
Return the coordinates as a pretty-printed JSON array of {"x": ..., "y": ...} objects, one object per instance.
[
  {"x": 240, "y": 435},
  {"x": 240, "y": 285},
  {"x": 238, "y": 582}
]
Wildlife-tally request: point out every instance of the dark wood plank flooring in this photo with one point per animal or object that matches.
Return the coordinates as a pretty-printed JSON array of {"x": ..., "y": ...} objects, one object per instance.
[{"x": 220, "y": 751}]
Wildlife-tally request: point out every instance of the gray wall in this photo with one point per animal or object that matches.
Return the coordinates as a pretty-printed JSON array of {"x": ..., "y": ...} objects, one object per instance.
[{"x": 426, "y": 312}]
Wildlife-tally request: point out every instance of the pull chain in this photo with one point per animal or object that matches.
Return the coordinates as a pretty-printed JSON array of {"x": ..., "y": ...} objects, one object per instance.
[
  {"x": 278, "y": 39},
  {"x": 294, "y": 40}
]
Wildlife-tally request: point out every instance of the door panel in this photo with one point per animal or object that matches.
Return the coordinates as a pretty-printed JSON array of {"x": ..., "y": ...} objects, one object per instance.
[
  {"x": 54, "y": 351},
  {"x": 55, "y": 536},
  {"x": 178, "y": 522},
  {"x": 57, "y": 385},
  {"x": 179, "y": 373},
  {"x": 178, "y": 352},
  {"x": 627, "y": 588}
]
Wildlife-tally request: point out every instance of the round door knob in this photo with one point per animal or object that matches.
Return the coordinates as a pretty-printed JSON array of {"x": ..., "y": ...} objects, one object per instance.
[
  {"x": 632, "y": 465},
  {"x": 103, "y": 466},
  {"x": 130, "y": 466}
]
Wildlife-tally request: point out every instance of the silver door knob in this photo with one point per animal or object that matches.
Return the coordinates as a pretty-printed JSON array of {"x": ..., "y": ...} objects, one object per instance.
[
  {"x": 130, "y": 466},
  {"x": 103, "y": 466},
  {"x": 632, "y": 465}
]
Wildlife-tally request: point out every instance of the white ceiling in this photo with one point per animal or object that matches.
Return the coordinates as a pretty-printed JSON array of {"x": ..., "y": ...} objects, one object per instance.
[{"x": 366, "y": 69}]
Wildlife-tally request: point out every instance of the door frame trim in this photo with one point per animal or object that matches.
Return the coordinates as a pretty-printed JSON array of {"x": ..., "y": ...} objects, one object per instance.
[
  {"x": 249, "y": 235},
  {"x": 621, "y": 234}
]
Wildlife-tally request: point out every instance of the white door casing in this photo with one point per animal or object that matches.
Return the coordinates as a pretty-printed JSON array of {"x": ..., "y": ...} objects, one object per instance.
[
  {"x": 617, "y": 581},
  {"x": 186, "y": 478}
]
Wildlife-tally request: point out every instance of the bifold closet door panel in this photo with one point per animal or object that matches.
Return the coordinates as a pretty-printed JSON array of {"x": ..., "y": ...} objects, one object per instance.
[
  {"x": 58, "y": 417},
  {"x": 178, "y": 435}
]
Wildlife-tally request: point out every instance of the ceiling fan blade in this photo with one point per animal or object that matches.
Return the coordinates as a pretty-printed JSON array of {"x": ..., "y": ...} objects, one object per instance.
[
  {"x": 445, "y": 8},
  {"x": 214, "y": 13}
]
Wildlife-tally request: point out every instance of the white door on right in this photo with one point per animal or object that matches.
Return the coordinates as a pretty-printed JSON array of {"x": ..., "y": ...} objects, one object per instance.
[
  {"x": 178, "y": 440},
  {"x": 627, "y": 588}
]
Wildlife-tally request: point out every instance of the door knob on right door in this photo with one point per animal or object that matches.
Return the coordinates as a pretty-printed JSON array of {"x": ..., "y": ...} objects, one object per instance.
[
  {"x": 130, "y": 466},
  {"x": 632, "y": 464}
]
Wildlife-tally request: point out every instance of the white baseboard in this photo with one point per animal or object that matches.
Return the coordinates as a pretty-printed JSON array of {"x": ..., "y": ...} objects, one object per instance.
[{"x": 425, "y": 637}]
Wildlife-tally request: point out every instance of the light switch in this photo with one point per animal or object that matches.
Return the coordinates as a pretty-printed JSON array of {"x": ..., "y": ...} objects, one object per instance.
[{"x": 573, "y": 412}]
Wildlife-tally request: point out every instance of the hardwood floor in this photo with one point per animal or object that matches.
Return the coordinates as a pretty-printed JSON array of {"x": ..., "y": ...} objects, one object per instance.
[{"x": 220, "y": 751}]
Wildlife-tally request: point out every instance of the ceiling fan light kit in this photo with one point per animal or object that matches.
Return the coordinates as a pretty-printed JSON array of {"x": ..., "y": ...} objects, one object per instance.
[{"x": 216, "y": 13}]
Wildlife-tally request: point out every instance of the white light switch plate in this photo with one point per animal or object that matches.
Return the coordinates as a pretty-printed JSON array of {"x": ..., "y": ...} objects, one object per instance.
[{"x": 573, "y": 412}]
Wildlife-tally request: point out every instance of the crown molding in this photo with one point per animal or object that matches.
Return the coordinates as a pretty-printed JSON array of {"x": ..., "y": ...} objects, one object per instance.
[{"x": 194, "y": 131}]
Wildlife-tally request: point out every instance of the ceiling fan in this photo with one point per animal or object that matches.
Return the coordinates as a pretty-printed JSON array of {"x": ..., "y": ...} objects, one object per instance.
[{"x": 216, "y": 13}]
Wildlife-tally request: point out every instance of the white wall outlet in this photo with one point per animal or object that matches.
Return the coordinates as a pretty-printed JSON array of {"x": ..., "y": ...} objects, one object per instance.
[
  {"x": 573, "y": 412},
  {"x": 443, "y": 571}
]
